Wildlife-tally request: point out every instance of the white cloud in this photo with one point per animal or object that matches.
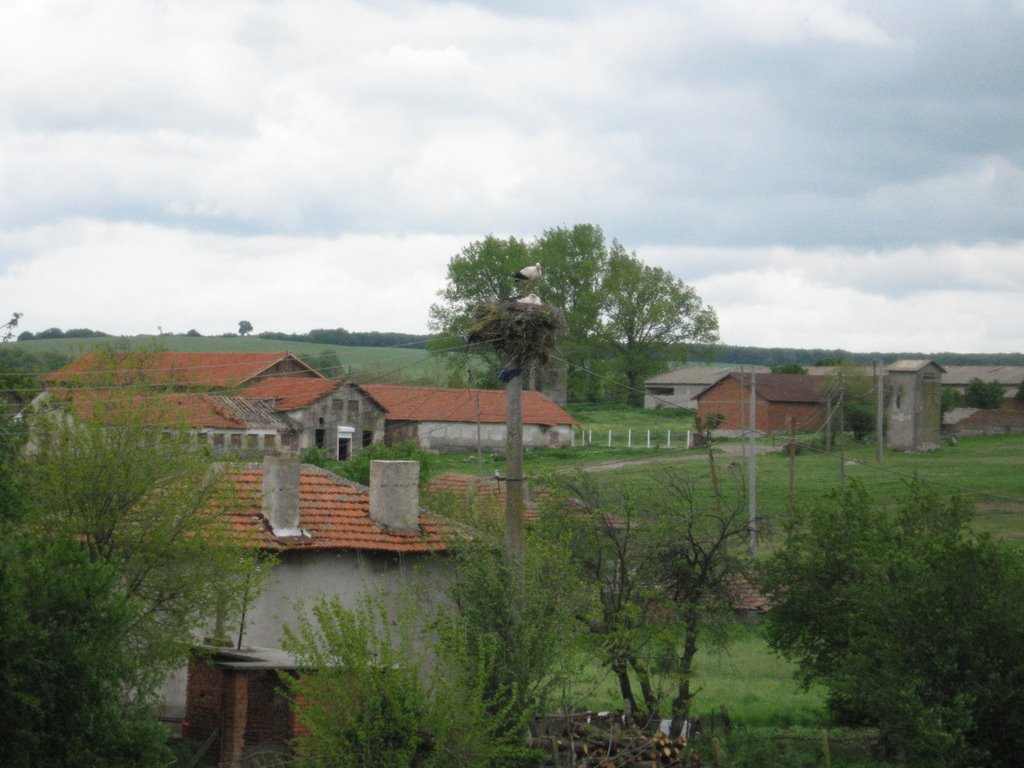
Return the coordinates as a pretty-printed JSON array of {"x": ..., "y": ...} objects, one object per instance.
[{"x": 869, "y": 153}]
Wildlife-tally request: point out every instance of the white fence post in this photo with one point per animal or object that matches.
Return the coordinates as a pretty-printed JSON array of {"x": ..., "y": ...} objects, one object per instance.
[
  {"x": 609, "y": 438},
  {"x": 629, "y": 438},
  {"x": 668, "y": 443},
  {"x": 648, "y": 438}
]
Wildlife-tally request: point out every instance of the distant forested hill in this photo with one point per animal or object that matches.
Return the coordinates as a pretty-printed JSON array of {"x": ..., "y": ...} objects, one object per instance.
[
  {"x": 342, "y": 338},
  {"x": 770, "y": 356}
]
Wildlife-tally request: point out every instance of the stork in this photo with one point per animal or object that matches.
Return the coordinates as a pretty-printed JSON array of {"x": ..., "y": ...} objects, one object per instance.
[{"x": 529, "y": 274}]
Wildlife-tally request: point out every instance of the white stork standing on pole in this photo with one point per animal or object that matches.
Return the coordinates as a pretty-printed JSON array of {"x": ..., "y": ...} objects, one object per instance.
[{"x": 529, "y": 275}]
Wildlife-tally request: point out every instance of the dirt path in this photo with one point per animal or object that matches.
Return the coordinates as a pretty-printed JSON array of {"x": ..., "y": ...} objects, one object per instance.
[{"x": 730, "y": 450}]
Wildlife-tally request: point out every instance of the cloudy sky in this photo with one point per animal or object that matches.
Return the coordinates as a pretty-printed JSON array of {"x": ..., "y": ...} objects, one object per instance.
[{"x": 826, "y": 173}]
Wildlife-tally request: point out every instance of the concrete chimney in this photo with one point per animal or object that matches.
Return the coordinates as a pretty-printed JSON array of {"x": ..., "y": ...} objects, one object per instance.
[
  {"x": 395, "y": 495},
  {"x": 281, "y": 494}
]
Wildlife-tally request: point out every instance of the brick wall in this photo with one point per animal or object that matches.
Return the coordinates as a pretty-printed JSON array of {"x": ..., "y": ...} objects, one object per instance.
[{"x": 732, "y": 400}]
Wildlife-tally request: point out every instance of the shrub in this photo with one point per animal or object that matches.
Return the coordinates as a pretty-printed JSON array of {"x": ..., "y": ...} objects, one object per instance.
[
  {"x": 910, "y": 620},
  {"x": 980, "y": 394},
  {"x": 358, "y": 467}
]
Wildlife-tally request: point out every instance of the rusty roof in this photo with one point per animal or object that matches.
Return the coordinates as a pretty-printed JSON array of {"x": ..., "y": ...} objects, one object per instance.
[
  {"x": 204, "y": 369},
  {"x": 402, "y": 403},
  {"x": 292, "y": 392},
  {"x": 334, "y": 512}
]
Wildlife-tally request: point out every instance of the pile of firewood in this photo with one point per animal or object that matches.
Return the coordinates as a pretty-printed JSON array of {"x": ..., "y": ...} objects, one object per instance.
[{"x": 604, "y": 741}]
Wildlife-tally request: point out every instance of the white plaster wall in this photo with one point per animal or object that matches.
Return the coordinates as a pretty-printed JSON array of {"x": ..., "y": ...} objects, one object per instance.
[
  {"x": 448, "y": 436},
  {"x": 300, "y": 578}
]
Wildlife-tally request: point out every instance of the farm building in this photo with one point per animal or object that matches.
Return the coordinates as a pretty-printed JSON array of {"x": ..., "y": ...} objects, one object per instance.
[
  {"x": 337, "y": 416},
  {"x": 179, "y": 370},
  {"x": 914, "y": 405},
  {"x": 780, "y": 399},
  {"x": 331, "y": 538},
  {"x": 462, "y": 419},
  {"x": 958, "y": 377},
  {"x": 224, "y": 424},
  {"x": 679, "y": 387}
]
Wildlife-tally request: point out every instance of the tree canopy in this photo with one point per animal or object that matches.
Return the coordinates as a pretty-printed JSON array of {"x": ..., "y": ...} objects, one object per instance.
[
  {"x": 911, "y": 621},
  {"x": 623, "y": 318}
]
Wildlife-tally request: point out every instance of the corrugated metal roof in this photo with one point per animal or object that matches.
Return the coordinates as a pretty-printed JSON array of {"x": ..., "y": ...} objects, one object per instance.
[
  {"x": 1007, "y": 375},
  {"x": 698, "y": 374}
]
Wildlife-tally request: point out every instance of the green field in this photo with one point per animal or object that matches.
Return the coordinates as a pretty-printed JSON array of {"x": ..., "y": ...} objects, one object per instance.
[{"x": 364, "y": 365}]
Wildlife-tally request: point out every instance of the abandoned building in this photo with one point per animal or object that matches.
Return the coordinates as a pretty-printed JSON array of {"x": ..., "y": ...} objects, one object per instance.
[
  {"x": 914, "y": 405},
  {"x": 242, "y": 427},
  {"x": 179, "y": 370}
]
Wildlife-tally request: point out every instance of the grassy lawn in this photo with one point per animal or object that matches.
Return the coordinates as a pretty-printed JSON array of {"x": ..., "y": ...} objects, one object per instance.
[{"x": 755, "y": 685}]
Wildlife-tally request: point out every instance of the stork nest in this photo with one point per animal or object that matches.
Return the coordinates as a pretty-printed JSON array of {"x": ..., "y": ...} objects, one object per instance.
[{"x": 520, "y": 332}]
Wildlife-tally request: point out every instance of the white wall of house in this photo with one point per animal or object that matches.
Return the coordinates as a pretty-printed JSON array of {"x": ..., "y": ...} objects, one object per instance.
[
  {"x": 298, "y": 579},
  {"x": 462, "y": 436}
]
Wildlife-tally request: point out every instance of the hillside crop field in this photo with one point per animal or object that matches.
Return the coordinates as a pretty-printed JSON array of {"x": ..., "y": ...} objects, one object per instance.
[{"x": 362, "y": 364}]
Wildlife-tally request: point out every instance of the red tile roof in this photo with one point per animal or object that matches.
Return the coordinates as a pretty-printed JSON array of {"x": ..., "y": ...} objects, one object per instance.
[
  {"x": 207, "y": 369},
  {"x": 333, "y": 511},
  {"x": 488, "y": 489},
  {"x": 292, "y": 392},
  {"x": 403, "y": 403},
  {"x": 171, "y": 409}
]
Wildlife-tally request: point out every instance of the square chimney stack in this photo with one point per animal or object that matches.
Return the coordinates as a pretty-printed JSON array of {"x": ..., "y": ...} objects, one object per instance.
[
  {"x": 281, "y": 475},
  {"x": 395, "y": 495}
]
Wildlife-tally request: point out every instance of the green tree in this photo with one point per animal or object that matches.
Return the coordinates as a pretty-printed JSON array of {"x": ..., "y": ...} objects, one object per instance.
[
  {"x": 661, "y": 564},
  {"x": 70, "y": 671},
  {"x": 244, "y": 327},
  {"x": 982, "y": 394},
  {"x": 910, "y": 620},
  {"x": 789, "y": 368},
  {"x": 358, "y": 467},
  {"x": 621, "y": 316},
  {"x": 649, "y": 317},
  {"x": 114, "y": 475}
]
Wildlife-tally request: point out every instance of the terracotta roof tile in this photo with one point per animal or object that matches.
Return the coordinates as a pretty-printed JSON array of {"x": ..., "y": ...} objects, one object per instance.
[
  {"x": 333, "y": 511},
  {"x": 172, "y": 409},
  {"x": 403, "y": 403},
  {"x": 292, "y": 392},
  {"x": 208, "y": 369},
  {"x": 471, "y": 486}
]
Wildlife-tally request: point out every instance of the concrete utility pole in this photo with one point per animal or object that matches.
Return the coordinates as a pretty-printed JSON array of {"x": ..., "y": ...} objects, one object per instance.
[
  {"x": 753, "y": 463},
  {"x": 515, "y": 540},
  {"x": 879, "y": 413}
]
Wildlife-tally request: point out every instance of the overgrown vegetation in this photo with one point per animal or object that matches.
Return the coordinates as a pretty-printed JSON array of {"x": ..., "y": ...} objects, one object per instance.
[
  {"x": 910, "y": 620},
  {"x": 108, "y": 564}
]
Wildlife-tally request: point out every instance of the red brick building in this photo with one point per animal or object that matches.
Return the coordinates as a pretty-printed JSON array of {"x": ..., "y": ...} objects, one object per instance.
[{"x": 780, "y": 398}]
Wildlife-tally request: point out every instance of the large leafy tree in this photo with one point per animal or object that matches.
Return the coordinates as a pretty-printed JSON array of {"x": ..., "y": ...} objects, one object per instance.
[
  {"x": 911, "y": 621},
  {"x": 621, "y": 317},
  {"x": 649, "y": 316}
]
